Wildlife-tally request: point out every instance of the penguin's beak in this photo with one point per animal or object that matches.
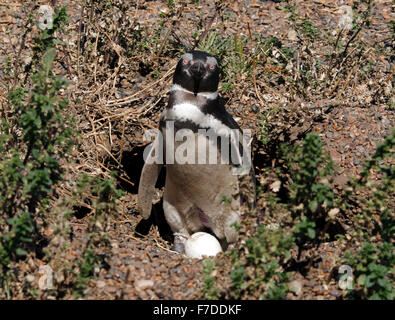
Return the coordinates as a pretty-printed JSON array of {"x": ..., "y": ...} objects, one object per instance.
[{"x": 197, "y": 70}]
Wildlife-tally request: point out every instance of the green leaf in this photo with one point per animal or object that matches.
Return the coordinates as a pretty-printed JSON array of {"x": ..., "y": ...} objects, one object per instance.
[
  {"x": 311, "y": 233},
  {"x": 48, "y": 58},
  {"x": 313, "y": 205},
  {"x": 361, "y": 279},
  {"x": 20, "y": 252},
  {"x": 375, "y": 296},
  {"x": 382, "y": 282}
]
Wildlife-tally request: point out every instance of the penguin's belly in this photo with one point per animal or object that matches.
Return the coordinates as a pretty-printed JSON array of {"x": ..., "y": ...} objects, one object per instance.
[
  {"x": 203, "y": 190},
  {"x": 203, "y": 195},
  {"x": 200, "y": 170},
  {"x": 203, "y": 179}
]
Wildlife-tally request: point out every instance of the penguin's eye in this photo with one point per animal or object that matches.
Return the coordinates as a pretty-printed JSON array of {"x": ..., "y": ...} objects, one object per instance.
[
  {"x": 211, "y": 67},
  {"x": 185, "y": 61}
]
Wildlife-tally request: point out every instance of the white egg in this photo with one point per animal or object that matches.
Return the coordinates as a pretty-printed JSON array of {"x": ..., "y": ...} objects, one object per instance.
[{"x": 202, "y": 244}]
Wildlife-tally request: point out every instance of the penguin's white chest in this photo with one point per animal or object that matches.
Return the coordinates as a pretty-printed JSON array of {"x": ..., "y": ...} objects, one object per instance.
[{"x": 187, "y": 111}]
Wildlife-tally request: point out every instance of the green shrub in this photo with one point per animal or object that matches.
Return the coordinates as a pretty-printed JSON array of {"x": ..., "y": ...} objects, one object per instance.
[
  {"x": 103, "y": 195},
  {"x": 309, "y": 169},
  {"x": 373, "y": 270},
  {"x": 310, "y": 196},
  {"x": 210, "y": 291},
  {"x": 86, "y": 266},
  {"x": 374, "y": 225},
  {"x": 33, "y": 140},
  {"x": 308, "y": 29},
  {"x": 304, "y": 231},
  {"x": 258, "y": 268}
]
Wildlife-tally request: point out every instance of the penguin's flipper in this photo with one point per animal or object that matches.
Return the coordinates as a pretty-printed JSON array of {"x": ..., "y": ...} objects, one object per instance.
[{"x": 148, "y": 178}]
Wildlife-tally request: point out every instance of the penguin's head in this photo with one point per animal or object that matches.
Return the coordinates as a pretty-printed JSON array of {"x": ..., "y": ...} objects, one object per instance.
[{"x": 197, "y": 71}]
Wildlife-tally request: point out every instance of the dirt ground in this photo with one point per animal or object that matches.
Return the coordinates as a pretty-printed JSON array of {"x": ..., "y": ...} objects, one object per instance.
[{"x": 115, "y": 105}]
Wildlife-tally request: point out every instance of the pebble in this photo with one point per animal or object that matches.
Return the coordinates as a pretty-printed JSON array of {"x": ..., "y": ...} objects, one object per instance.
[
  {"x": 160, "y": 295},
  {"x": 360, "y": 149},
  {"x": 336, "y": 156},
  {"x": 312, "y": 283},
  {"x": 334, "y": 293},
  {"x": 292, "y": 35},
  {"x": 30, "y": 278},
  {"x": 112, "y": 289},
  {"x": 296, "y": 287},
  {"x": 254, "y": 109},
  {"x": 143, "y": 284},
  {"x": 122, "y": 276},
  {"x": 317, "y": 289}
]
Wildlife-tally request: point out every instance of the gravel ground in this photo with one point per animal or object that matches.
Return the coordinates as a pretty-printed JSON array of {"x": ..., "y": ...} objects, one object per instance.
[{"x": 144, "y": 267}]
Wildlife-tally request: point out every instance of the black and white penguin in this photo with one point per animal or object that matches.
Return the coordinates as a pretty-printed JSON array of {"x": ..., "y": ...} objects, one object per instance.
[{"x": 204, "y": 152}]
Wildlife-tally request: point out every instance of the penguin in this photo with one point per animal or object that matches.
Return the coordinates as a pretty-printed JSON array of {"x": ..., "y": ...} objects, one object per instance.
[{"x": 203, "y": 188}]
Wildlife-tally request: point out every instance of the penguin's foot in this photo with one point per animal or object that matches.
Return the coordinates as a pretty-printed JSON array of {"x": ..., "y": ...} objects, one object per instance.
[
  {"x": 225, "y": 245},
  {"x": 179, "y": 243},
  {"x": 178, "y": 247}
]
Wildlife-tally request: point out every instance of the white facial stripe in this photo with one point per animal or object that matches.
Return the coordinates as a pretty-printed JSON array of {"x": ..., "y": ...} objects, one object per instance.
[
  {"x": 189, "y": 112},
  {"x": 211, "y": 60},
  {"x": 207, "y": 95},
  {"x": 187, "y": 56}
]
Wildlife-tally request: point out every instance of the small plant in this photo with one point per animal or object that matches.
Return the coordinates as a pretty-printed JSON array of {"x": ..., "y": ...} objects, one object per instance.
[
  {"x": 12, "y": 245},
  {"x": 373, "y": 264},
  {"x": 264, "y": 125},
  {"x": 308, "y": 29},
  {"x": 103, "y": 195},
  {"x": 272, "y": 43},
  {"x": 304, "y": 230},
  {"x": 373, "y": 270},
  {"x": 48, "y": 37},
  {"x": 258, "y": 270},
  {"x": 33, "y": 140},
  {"x": 238, "y": 279},
  {"x": 170, "y": 4},
  {"x": 309, "y": 169},
  {"x": 210, "y": 291},
  {"x": 310, "y": 196},
  {"x": 86, "y": 266},
  {"x": 230, "y": 52},
  {"x": 380, "y": 190}
]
